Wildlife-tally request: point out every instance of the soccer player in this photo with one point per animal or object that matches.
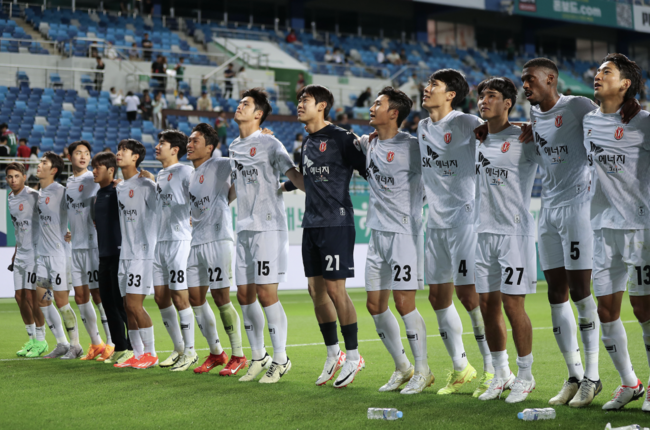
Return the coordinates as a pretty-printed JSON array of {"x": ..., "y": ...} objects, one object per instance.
[
  {"x": 173, "y": 248},
  {"x": 329, "y": 156},
  {"x": 81, "y": 192},
  {"x": 395, "y": 259},
  {"x": 23, "y": 206},
  {"x": 447, "y": 150},
  {"x": 506, "y": 267},
  {"x": 620, "y": 218},
  {"x": 209, "y": 263},
  {"x": 257, "y": 161},
  {"x": 139, "y": 226}
]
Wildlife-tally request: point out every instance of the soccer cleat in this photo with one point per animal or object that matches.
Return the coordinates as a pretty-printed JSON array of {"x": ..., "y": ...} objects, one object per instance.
[
  {"x": 184, "y": 362},
  {"x": 119, "y": 357},
  {"x": 418, "y": 383},
  {"x": 108, "y": 352},
  {"x": 211, "y": 362},
  {"x": 332, "y": 365},
  {"x": 235, "y": 364},
  {"x": 59, "y": 351},
  {"x": 567, "y": 392},
  {"x": 171, "y": 360},
  {"x": 349, "y": 372},
  {"x": 94, "y": 351},
  {"x": 25, "y": 349},
  {"x": 646, "y": 401},
  {"x": 483, "y": 384},
  {"x": 520, "y": 389},
  {"x": 255, "y": 367},
  {"x": 39, "y": 347},
  {"x": 456, "y": 379},
  {"x": 275, "y": 372},
  {"x": 397, "y": 379},
  {"x": 588, "y": 390},
  {"x": 624, "y": 395},
  {"x": 146, "y": 361},
  {"x": 75, "y": 351},
  {"x": 129, "y": 362},
  {"x": 497, "y": 386}
]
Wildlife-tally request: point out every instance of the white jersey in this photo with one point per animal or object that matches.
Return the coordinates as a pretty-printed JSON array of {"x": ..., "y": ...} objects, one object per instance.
[
  {"x": 23, "y": 209},
  {"x": 136, "y": 198},
  {"x": 257, "y": 163},
  {"x": 81, "y": 193},
  {"x": 53, "y": 221},
  {"x": 396, "y": 188},
  {"x": 448, "y": 150},
  {"x": 211, "y": 217},
  {"x": 566, "y": 174},
  {"x": 620, "y": 155},
  {"x": 172, "y": 186},
  {"x": 506, "y": 171}
]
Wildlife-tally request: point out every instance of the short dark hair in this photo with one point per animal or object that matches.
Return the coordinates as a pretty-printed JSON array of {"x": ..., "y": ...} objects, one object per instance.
[
  {"x": 23, "y": 139},
  {"x": 56, "y": 161},
  {"x": 3, "y": 138},
  {"x": 629, "y": 70},
  {"x": 543, "y": 63},
  {"x": 454, "y": 81},
  {"x": 4, "y": 125},
  {"x": 107, "y": 159},
  {"x": 505, "y": 86},
  {"x": 209, "y": 134},
  {"x": 398, "y": 100},
  {"x": 33, "y": 150},
  {"x": 261, "y": 99},
  {"x": 135, "y": 147},
  {"x": 75, "y": 145},
  {"x": 176, "y": 139},
  {"x": 20, "y": 167},
  {"x": 320, "y": 94}
]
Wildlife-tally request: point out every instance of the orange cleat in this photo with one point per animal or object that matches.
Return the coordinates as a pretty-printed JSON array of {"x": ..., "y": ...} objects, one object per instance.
[
  {"x": 128, "y": 363},
  {"x": 234, "y": 365},
  {"x": 146, "y": 361},
  {"x": 108, "y": 351},
  {"x": 94, "y": 351},
  {"x": 211, "y": 362}
]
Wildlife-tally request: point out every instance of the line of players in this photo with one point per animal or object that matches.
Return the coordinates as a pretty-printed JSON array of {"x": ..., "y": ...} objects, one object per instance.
[{"x": 479, "y": 231}]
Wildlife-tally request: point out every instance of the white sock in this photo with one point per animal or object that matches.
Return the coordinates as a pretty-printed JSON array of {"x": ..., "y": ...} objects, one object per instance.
[
  {"x": 388, "y": 331},
  {"x": 89, "y": 318},
  {"x": 232, "y": 325},
  {"x": 70, "y": 321},
  {"x": 40, "y": 333},
  {"x": 479, "y": 334},
  {"x": 416, "y": 333},
  {"x": 254, "y": 326},
  {"x": 565, "y": 331},
  {"x": 646, "y": 338},
  {"x": 146, "y": 334},
  {"x": 278, "y": 331},
  {"x": 589, "y": 331},
  {"x": 53, "y": 320},
  {"x": 525, "y": 365},
  {"x": 615, "y": 341},
  {"x": 31, "y": 330},
  {"x": 187, "y": 329},
  {"x": 501, "y": 366},
  {"x": 333, "y": 350},
  {"x": 352, "y": 354},
  {"x": 451, "y": 331},
  {"x": 136, "y": 343},
  {"x": 107, "y": 332},
  {"x": 208, "y": 326},
  {"x": 170, "y": 321}
]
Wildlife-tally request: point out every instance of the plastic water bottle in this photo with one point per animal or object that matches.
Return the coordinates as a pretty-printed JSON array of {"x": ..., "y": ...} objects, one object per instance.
[
  {"x": 389, "y": 414},
  {"x": 537, "y": 414}
]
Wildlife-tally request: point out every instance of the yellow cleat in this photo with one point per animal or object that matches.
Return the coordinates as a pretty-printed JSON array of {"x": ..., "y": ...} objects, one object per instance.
[
  {"x": 119, "y": 357},
  {"x": 456, "y": 379},
  {"x": 108, "y": 352},
  {"x": 94, "y": 351},
  {"x": 483, "y": 384}
]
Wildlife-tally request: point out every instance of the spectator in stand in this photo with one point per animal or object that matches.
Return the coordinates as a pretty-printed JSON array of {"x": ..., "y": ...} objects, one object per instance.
[
  {"x": 116, "y": 97},
  {"x": 164, "y": 70},
  {"x": 393, "y": 57},
  {"x": 228, "y": 74},
  {"x": 300, "y": 83},
  {"x": 23, "y": 150},
  {"x": 297, "y": 148},
  {"x": 146, "y": 47},
  {"x": 147, "y": 7},
  {"x": 339, "y": 56},
  {"x": 381, "y": 56},
  {"x": 4, "y": 149},
  {"x": 134, "y": 52},
  {"x": 159, "y": 103},
  {"x": 589, "y": 75},
  {"x": 328, "y": 58},
  {"x": 146, "y": 107},
  {"x": 110, "y": 52},
  {"x": 403, "y": 57},
  {"x": 363, "y": 98},
  {"x": 204, "y": 103},
  {"x": 182, "y": 102},
  {"x": 99, "y": 76},
  {"x": 132, "y": 102},
  {"x": 221, "y": 125},
  {"x": 180, "y": 71},
  {"x": 33, "y": 165},
  {"x": 343, "y": 122},
  {"x": 12, "y": 142},
  {"x": 291, "y": 37}
]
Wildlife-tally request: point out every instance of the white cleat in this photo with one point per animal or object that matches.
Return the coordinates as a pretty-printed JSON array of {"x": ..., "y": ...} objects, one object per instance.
[
  {"x": 520, "y": 390},
  {"x": 60, "y": 350},
  {"x": 588, "y": 390},
  {"x": 646, "y": 402},
  {"x": 332, "y": 365},
  {"x": 184, "y": 362},
  {"x": 397, "y": 379},
  {"x": 497, "y": 386},
  {"x": 568, "y": 392},
  {"x": 349, "y": 372},
  {"x": 624, "y": 395},
  {"x": 75, "y": 351},
  {"x": 171, "y": 360},
  {"x": 275, "y": 372},
  {"x": 255, "y": 367},
  {"x": 418, "y": 383}
]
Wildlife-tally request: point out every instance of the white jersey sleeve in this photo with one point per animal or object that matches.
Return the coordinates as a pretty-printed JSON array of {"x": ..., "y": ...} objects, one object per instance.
[
  {"x": 139, "y": 220},
  {"x": 172, "y": 191},
  {"x": 53, "y": 221},
  {"x": 23, "y": 209},
  {"x": 620, "y": 155},
  {"x": 80, "y": 197}
]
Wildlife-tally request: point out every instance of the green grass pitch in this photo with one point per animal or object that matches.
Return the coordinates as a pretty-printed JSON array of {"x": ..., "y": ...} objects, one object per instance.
[{"x": 56, "y": 394}]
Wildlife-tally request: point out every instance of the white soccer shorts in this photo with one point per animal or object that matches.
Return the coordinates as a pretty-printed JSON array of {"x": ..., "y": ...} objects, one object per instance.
[
  {"x": 506, "y": 263},
  {"x": 85, "y": 268},
  {"x": 621, "y": 258},
  {"x": 170, "y": 264},
  {"x": 565, "y": 237},
  {"x": 210, "y": 264},
  {"x": 135, "y": 277},
  {"x": 55, "y": 269},
  {"x": 394, "y": 262},
  {"x": 24, "y": 275},
  {"x": 450, "y": 255},
  {"x": 261, "y": 257}
]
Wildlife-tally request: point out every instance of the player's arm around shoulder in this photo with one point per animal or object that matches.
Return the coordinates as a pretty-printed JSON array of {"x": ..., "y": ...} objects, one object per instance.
[
  {"x": 147, "y": 175},
  {"x": 351, "y": 150}
]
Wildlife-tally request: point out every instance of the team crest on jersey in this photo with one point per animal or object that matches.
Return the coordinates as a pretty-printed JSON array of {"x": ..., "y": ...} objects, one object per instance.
[
  {"x": 169, "y": 178},
  {"x": 619, "y": 133},
  {"x": 20, "y": 208},
  {"x": 47, "y": 200},
  {"x": 253, "y": 151},
  {"x": 447, "y": 138},
  {"x": 323, "y": 146},
  {"x": 558, "y": 121},
  {"x": 81, "y": 188},
  {"x": 505, "y": 147},
  {"x": 390, "y": 157},
  {"x": 589, "y": 132},
  {"x": 131, "y": 193},
  {"x": 201, "y": 179}
]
